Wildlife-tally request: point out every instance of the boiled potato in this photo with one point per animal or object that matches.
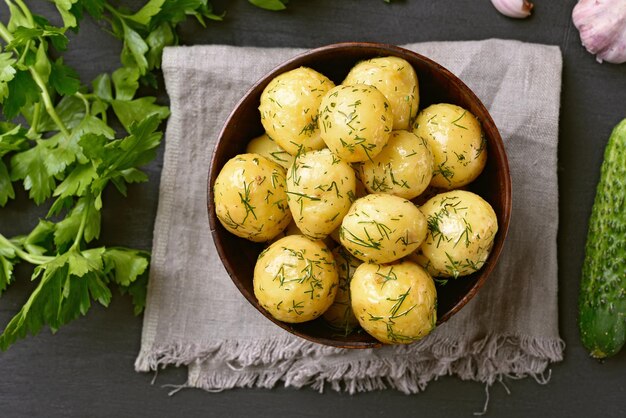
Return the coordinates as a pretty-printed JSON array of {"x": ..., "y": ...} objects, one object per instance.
[
  {"x": 381, "y": 228},
  {"x": 268, "y": 148},
  {"x": 340, "y": 314},
  {"x": 394, "y": 303},
  {"x": 396, "y": 80},
  {"x": 250, "y": 195},
  {"x": 461, "y": 230},
  {"x": 403, "y": 168},
  {"x": 295, "y": 279},
  {"x": 289, "y": 109},
  {"x": 320, "y": 190},
  {"x": 356, "y": 121},
  {"x": 457, "y": 142}
]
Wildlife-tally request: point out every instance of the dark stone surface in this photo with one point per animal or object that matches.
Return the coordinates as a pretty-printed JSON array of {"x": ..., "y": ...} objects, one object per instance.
[{"x": 86, "y": 369}]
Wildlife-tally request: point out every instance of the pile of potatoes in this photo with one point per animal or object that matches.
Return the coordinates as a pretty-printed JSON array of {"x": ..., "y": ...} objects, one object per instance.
[{"x": 331, "y": 186}]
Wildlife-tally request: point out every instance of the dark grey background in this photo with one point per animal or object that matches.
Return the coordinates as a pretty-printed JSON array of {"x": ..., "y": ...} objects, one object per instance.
[{"x": 87, "y": 368}]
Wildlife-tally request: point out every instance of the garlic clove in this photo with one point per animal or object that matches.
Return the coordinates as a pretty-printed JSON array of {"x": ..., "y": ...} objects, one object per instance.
[
  {"x": 602, "y": 28},
  {"x": 518, "y": 9}
]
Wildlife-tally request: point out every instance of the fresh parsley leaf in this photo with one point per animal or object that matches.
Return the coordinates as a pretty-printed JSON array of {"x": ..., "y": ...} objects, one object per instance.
[
  {"x": 269, "y": 4},
  {"x": 158, "y": 39},
  {"x": 133, "y": 111},
  {"x": 175, "y": 11},
  {"x": 6, "y": 273},
  {"x": 6, "y": 187},
  {"x": 63, "y": 78},
  {"x": 140, "y": 146},
  {"x": 30, "y": 166},
  {"x": 65, "y": 8},
  {"x": 145, "y": 14},
  {"x": 77, "y": 182},
  {"x": 131, "y": 175},
  {"x": 93, "y": 7},
  {"x": 7, "y": 73},
  {"x": 124, "y": 265},
  {"x": 22, "y": 90},
  {"x": 134, "y": 50},
  {"x": 12, "y": 138},
  {"x": 102, "y": 87},
  {"x": 126, "y": 82}
]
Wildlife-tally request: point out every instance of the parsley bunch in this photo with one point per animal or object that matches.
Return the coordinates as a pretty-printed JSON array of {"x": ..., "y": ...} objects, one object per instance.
[{"x": 57, "y": 138}]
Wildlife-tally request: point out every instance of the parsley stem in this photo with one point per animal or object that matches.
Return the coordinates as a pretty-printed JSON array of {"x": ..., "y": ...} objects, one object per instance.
[
  {"x": 85, "y": 101},
  {"x": 28, "y": 47},
  {"x": 47, "y": 102},
  {"x": 81, "y": 229},
  {"x": 5, "y": 34},
  {"x": 26, "y": 11},
  {"x": 32, "y": 131},
  {"x": 31, "y": 258}
]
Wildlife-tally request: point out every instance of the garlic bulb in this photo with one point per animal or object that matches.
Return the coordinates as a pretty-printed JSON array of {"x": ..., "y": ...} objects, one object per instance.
[
  {"x": 518, "y": 9},
  {"x": 602, "y": 27}
]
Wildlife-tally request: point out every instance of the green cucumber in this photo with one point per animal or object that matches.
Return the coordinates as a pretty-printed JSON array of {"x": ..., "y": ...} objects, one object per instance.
[{"x": 602, "y": 299}]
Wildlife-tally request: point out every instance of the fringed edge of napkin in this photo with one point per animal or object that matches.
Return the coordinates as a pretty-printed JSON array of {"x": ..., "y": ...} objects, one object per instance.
[{"x": 487, "y": 360}]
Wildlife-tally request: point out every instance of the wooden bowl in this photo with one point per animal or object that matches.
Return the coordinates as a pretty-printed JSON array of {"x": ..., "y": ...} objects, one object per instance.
[{"x": 436, "y": 85}]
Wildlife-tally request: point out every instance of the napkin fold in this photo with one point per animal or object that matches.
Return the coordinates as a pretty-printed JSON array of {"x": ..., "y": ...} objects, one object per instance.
[{"x": 196, "y": 317}]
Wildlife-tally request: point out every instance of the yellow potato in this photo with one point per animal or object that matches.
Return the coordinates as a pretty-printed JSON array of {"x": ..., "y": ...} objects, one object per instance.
[
  {"x": 457, "y": 142},
  {"x": 394, "y": 303},
  {"x": 289, "y": 109},
  {"x": 355, "y": 121},
  {"x": 250, "y": 195},
  {"x": 381, "y": 228},
  {"x": 340, "y": 314},
  {"x": 320, "y": 189},
  {"x": 268, "y": 148},
  {"x": 461, "y": 230},
  {"x": 396, "y": 80},
  {"x": 403, "y": 168},
  {"x": 295, "y": 279}
]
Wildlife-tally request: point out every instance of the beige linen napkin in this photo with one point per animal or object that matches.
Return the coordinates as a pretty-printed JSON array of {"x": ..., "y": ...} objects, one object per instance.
[{"x": 196, "y": 317}]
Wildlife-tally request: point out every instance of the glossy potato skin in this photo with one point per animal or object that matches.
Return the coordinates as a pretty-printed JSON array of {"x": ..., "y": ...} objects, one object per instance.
[
  {"x": 403, "y": 168},
  {"x": 396, "y": 79},
  {"x": 289, "y": 109},
  {"x": 381, "y": 228},
  {"x": 355, "y": 121},
  {"x": 461, "y": 230},
  {"x": 295, "y": 279},
  {"x": 395, "y": 303},
  {"x": 457, "y": 142},
  {"x": 268, "y": 148},
  {"x": 250, "y": 195},
  {"x": 320, "y": 189}
]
